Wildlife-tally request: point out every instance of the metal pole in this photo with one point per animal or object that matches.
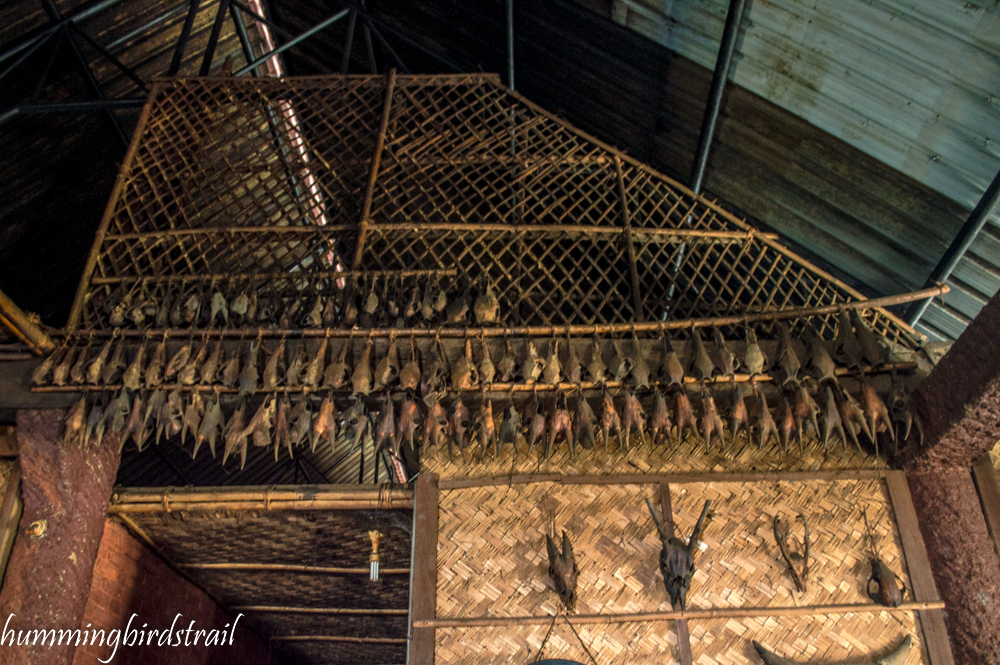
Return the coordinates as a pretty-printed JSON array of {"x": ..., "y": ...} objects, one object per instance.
[
  {"x": 17, "y": 63},
  {"x": 241, "y": 32},
  {"x": 289, "y": 44},
  {"x": 719, "y": 78},
  {"x": 175, "y": 64},
  {"x": 47, "y": 30},
  {"x": 48, "y": 64},
  {"x": 973, "y": 225},
  {"x": 345, "y": 58},
  {"x": 369, "y": 49},
  {"x": 213, "y": 39},
  {"x": 122, "y": 67},
  {"x": 510, "y": 44}
]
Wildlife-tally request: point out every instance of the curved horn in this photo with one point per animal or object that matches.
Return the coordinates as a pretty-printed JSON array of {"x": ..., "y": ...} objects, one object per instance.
[{"x": 894, "y": 657}]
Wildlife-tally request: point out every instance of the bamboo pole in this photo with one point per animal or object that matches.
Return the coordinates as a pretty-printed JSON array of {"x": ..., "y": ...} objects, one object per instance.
[
  {"x": 216, "y": 506},
  {"x": 333, "y": 611},
  {"x": 497, "y": 388},
  {"x": 366, "y": 206},
  {"x": 88, "y": 271},
  {"x": 547, "y": 331},
  {"x": 338, "y": 638},
  {"x": 224, "y": 230},
  {"x": 21, "y": 325},
  {"x": 688, "y": 235},
  {"x": 629, "y": 246},
  {"x": 289, "y": 568},
  {"x": 284, "y": 276},
  {"x": 693, "y": 614},
  {"x": 259, "y": 493}
]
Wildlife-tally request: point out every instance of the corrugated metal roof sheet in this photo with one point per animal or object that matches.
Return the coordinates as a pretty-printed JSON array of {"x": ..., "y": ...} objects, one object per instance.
[{"x": 914, "y": 84}]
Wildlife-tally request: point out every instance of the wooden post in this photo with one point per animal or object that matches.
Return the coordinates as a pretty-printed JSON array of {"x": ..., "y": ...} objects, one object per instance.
[
  {"x": 423, "y": 570},
  {"x": 988, "y": 484},
  {"x": 627, "y": 238},
  {"x": 366, "y": 206},
  {"x": 680, "y": 625},
  {"x": 919, "y": 567}
]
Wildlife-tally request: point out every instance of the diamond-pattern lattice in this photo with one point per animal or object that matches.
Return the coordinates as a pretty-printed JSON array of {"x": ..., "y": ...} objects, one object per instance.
[{"x": 246, "y": 180}]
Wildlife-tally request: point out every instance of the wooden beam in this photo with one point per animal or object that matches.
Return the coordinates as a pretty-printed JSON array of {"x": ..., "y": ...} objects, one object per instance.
[
  {"x": 289, "y": 568},
  {"x": 919, "y": 567},
  {"x": 333, "y": 611},
  {"x": 23, "y": 327},
  {"x": 366, "y": 206},
  {"x": 988, "y": 484},
  {"x": 423, "y": 575}
]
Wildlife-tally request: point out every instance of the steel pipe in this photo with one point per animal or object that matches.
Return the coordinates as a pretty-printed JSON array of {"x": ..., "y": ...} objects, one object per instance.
[
  {"x": 175, "y": 63},
  {"x": 292, "y": 42},
  {"x": 510, "y": 44},
  {"x": 966, "y": 236},
  {"x": 719, "y": 78}
]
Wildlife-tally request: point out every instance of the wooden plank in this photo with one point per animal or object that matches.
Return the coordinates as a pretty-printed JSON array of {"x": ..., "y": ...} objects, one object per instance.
[
  {"x": 680, "y": 625},
  {"x": 988, "y": 484},
  {"x": 681, "y": 616},
  {"x": 366, "y": 206},
  {"x": 423, "y": 571},
  {"x": 679, "y": 478},
  {"x": 919, "y": 567}
]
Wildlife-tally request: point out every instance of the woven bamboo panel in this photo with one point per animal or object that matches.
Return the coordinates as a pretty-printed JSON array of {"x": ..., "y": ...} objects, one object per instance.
[
  {"x": 650, "y": 643},
  {"x": 492, "y": 559},
  {"x": 7, "y": 467},
  {"x": 821, "y": 639},
  {"x": 995, "y": 456},
  {"x": 687, "y": 457},
  {"x": 741, "y": 565}
]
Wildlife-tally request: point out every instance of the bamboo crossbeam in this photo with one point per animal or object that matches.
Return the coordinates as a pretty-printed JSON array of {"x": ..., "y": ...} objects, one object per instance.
[
  {"x": 332, "y": 611},
  {"x": 498, "y": 388},
  {"x": 213, "y": 506},
  {"x": 689, "y": 235},
  {"x": 712, "y": 613},
  {"x": 338, "y": 638},
  {"x": 289, "y": 568},
  {"x": 289, "y": 276},
  {"x": 260, "y": 493},
  {"x": 676, "y": 478},
  {"x": 548, "y": 331},
  {"x": 232, "y": 230}
]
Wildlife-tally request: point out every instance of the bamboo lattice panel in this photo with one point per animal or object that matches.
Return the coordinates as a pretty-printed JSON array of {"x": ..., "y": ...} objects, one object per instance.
[
  {"x": 240, "y": 185},
  {"x": 492, "y": 562}
]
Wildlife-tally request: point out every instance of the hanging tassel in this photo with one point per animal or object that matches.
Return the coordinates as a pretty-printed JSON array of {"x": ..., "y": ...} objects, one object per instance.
[{"x": 376, "y": 537}]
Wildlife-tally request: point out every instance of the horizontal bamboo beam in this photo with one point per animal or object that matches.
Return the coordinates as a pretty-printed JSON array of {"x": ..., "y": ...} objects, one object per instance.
[
  {"x": 498, "y": 388},
  {"x": 309, "y": 229},
  {"x": 289, "y": 568},
  {"x": 23, "y": 327},
  {"x": 652, "y": 479},
  {"x": 332, "y": 611},
  {"x": 712, "y": 613},
  {"x": 688, "y": 235},
  {"x": 544, "y": 331},
  {"x": 338, "y": 638},
  {"x": 215, "y": 506},
  {"x": 259, "y": 493},
  {"x": 289, "y": 276}
]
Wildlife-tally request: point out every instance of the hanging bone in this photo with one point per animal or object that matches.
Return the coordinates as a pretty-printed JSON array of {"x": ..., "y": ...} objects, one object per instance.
[
  {"x": 888, "y": 592},
  {"x": 700, "y": 365},
  {"x": 559, "y": 424},
  {"x": 610, "y": 419},
  {"x": 787, "y": 359},
  {"x": 574, "y": 369},
  {"x": 563, "y": 570},
  {"x": 552, "y": 374},
  {"x": 409, "y": 376},
  {"x": 686, "y": 421},
  {"x": 659, "y": 422},
  {"x": 583, "y": 422},
  {"x": 677, "y": 557},
  {"x": 800, "y": 575},
  {"x": 753, "y": 358},
  {"x": 765, "y": 425},
  {"x": 487, "y": 372},
  {"x": 596, "y": 369},
  {"x": 895, "y": 657},
  {"x": 725, "y": 360}
]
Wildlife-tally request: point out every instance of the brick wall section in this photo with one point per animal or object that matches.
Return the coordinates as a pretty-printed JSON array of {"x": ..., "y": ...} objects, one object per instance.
[{"x": 129, "y": 578}]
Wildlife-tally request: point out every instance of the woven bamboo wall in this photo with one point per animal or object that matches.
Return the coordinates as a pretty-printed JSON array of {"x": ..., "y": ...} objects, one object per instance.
[{"x": 492, "y": 562}]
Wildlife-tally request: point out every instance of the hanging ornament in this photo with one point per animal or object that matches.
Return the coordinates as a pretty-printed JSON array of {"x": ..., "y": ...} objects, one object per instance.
[{"x": 376, "y": 537}]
